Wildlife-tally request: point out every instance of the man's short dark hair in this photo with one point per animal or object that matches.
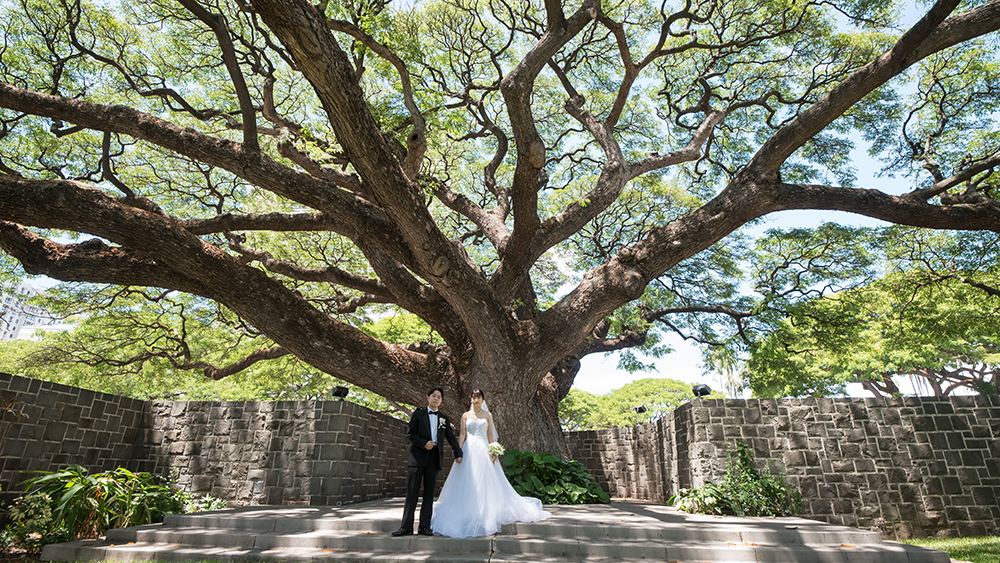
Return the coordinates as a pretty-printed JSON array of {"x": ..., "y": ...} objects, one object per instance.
[{"x": 438, "y": 389}]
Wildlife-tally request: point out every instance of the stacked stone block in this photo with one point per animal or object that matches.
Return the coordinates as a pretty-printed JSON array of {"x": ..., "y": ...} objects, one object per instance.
[
  {"x": 286, "y": 452},
  {"x": 360, "y": 455},
  {"x": 46, "y": 426},
  {"x": 244, "y": 452},
  {"x": 304, "y": 452},
  {"x": 908, "y": 467},
  {"x": 627, "y": 462}
]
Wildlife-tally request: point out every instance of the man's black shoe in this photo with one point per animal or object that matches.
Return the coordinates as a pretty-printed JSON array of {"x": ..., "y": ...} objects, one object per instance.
[
  {"x": 402, "y": 532},
  {"x": 425, "y": 532}
]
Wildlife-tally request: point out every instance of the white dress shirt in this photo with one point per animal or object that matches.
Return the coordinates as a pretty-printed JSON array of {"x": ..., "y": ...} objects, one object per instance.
[{"x": 434, "y": 424}]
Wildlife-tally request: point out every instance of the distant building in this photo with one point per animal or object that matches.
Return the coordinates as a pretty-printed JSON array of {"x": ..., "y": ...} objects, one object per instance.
[{"x": 17, "y": 315}]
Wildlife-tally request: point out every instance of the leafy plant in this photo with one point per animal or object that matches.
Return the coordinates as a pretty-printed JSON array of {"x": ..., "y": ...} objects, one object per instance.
[
  {"x": 706, "y": 499},
  {"x": 743, "y": 491},
  {"x": 32, "y": 525},
  {"x": 194, "y": 503},
  {"x": 89, "y": 505},
  {"x": 552, "y": 479},
  {"x": 72, "y": 503}
]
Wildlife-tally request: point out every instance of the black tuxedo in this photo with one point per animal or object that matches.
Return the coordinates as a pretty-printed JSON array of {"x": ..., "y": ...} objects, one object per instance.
[{"x": 425, "y": 464}]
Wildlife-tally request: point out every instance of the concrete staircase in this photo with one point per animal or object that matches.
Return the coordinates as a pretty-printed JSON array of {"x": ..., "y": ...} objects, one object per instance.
[{"x": 620, "y": 531}]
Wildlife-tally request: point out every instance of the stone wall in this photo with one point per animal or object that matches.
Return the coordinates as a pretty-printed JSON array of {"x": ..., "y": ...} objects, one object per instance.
[
  {"x": 908, "y": 467},
  {"x": 637, "y": 462},
  {"x": 282, "y": 452},
  {"x": 326, "y": 452},
  {"x": 46, "y": 426}
]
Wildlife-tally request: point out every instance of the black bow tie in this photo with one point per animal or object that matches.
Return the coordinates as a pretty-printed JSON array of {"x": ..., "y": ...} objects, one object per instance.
[{"x": 432, "y": 412}]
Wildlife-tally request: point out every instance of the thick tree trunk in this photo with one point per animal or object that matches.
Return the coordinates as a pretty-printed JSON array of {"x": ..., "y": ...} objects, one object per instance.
[
  {"x": 531, "y": 424},
  {"x": 526, "y": 415}
]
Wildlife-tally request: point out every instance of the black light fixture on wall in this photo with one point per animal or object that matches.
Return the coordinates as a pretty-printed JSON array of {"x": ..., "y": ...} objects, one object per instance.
[
  {"x": 701, "y": 390},
  {"x": 339, "y": 392}
]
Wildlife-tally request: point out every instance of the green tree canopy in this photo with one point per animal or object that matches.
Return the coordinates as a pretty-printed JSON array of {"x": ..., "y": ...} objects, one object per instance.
[
  {"x": 931, "y": 311},
  {"x": 536, "y": 181},
  {"x": 582, "y": 410},
  {"x": 175, "y": 347}
]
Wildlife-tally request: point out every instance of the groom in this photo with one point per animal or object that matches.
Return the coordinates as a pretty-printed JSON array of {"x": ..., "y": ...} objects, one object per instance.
[{"x": 427, "y": 429}]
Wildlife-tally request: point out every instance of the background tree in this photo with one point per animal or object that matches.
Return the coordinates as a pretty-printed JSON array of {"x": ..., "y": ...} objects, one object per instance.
[
  {"x": 312, "y": 166},
  {"x": 582, "y": 410},
  {"x": 170, "y": 347},
  {"x": 933, "y": 315}
]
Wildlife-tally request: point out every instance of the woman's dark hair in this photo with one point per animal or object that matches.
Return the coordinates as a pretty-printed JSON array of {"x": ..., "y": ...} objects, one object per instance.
[
  {"x": 477, "y": 392},
  {"x": 438, "y": 389}
]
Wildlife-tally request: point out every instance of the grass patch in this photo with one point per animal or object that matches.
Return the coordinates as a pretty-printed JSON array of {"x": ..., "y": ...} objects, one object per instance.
[{"x": 984, "y": 549}]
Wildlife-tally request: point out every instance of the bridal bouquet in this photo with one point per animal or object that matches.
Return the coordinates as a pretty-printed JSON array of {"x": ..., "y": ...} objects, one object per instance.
[{"x": 495, "y": 449}]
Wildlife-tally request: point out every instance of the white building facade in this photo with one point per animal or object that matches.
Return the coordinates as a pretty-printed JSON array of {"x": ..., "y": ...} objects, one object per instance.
[{"x": 18, "y": 317}]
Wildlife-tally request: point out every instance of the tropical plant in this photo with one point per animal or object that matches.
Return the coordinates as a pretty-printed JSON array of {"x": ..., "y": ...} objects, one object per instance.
[
  {"x": 200, "y": 503},
  {"x": 122, "y": 356},
  {"x": 743, "y": 491},
  {"x": 10, "y": 411},
  {"x": 32, "y": 524},
  {"x": 88, "y": 505},
  {"x": 552, "y": 479},
  {"x": 897, "y": 303}
]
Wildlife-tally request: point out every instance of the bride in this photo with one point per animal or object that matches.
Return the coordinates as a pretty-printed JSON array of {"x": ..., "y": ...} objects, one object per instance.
[{"x": 476, "y": 499}]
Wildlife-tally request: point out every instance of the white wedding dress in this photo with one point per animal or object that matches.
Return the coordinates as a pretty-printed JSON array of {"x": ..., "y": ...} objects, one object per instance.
[{"x": 476, "y": 498}]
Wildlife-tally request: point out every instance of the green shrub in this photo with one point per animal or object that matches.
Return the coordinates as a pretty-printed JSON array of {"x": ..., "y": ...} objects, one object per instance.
[
  {"x": 32, "y": 525},
  {"x": 192, "y": 503},
  {"x": 744, "y": 491},
  {"x": 552, "y": 479},
  {"x": 72, "y": 503},
  {"x": 90, "y": 505}
]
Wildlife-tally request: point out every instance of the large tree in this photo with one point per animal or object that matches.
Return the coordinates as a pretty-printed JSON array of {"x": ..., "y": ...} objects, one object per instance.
[
  {"x": 299, "y": 162},
  {"x": 897, "y": 302}
]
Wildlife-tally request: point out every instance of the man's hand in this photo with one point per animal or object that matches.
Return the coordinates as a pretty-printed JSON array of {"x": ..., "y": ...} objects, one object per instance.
[
  {"x": 458, "y": 460},
  {"x": 429, "y": 445}
]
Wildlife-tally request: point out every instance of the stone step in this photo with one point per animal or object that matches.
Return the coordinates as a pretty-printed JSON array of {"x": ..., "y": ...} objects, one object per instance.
[
  {"x": 601, "y": 533},
  {"x": 177, "y": 553},
  {"x": 666, "y": 524},
  {"x": 699, "y": 552},
  {"x": 785, "y": 535},
  {"x": 353, "y": 539},
  {"x": 318, "y": 539},
  {"x": 526, "y": 551}
]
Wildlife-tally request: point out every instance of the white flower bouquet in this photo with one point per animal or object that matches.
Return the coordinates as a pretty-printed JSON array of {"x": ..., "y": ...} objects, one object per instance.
[{"x": 495, "y": 449}]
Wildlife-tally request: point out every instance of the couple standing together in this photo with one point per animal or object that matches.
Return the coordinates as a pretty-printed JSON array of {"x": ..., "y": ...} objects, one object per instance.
[{"x": 476, "y": 499}]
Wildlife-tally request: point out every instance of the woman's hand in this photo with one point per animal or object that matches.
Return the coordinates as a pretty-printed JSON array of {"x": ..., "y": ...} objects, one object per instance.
[{"x": 461, "y": 431}]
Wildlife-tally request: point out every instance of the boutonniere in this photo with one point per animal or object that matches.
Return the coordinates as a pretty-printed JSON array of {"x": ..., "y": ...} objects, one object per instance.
[{"x": 442, "y": 422}]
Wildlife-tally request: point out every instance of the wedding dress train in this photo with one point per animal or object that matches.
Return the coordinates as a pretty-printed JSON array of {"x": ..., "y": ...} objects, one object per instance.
[{"x": 476, "y": 499}]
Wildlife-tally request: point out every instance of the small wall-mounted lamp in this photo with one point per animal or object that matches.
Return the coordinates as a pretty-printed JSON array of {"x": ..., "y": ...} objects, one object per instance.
[{"x": 701, "y": 390}]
